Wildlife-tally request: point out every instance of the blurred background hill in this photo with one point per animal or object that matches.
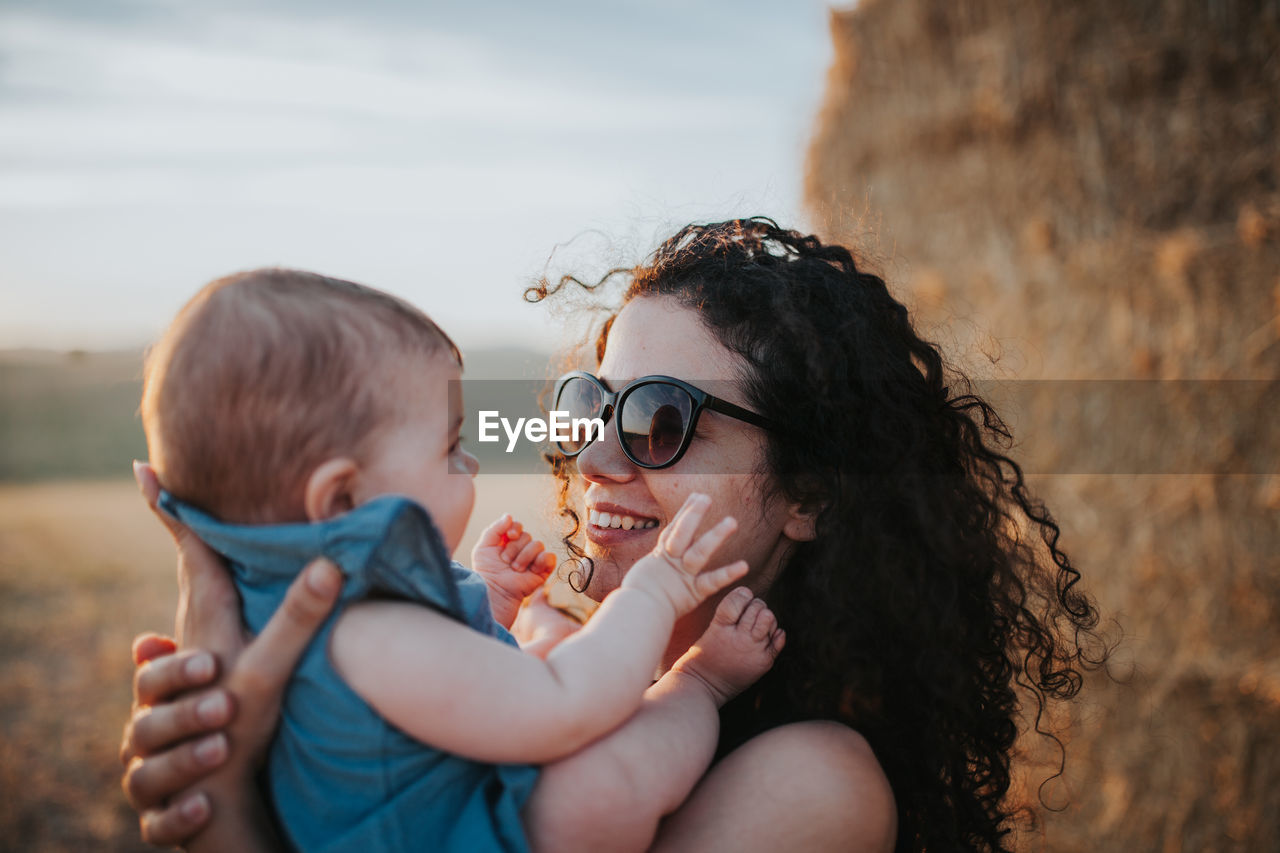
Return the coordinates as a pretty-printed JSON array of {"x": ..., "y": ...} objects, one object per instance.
[
  {"x": 69, "y": 414},
  {"x": 1091, "y": 190},
  {"x": 75, "y": 414}
]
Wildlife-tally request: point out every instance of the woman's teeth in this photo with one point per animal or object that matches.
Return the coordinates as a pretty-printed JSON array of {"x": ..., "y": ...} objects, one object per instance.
[{"x": 626, "y": 522}]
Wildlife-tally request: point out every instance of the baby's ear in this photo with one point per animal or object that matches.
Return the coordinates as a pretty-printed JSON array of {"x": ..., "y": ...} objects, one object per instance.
[{"x": 331, "y": 489}]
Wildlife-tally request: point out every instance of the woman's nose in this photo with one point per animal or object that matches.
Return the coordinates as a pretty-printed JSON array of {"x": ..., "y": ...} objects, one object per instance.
[{"x": 603, "y": 460}]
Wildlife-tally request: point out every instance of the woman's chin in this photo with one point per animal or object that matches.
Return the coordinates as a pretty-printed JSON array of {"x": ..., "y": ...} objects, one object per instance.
[{"x": 613, "y": 552}]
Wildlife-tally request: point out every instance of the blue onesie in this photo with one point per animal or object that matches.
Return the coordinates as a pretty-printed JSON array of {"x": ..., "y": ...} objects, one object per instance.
[{"x": 340, "y": 776}]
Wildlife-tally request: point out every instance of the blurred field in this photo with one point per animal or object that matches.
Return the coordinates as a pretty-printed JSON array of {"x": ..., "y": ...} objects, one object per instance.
[{"x": 82, "y": 569}]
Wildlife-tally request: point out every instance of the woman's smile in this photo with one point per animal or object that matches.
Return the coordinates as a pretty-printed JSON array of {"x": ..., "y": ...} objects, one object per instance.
[{"x": 612, "y": 524}]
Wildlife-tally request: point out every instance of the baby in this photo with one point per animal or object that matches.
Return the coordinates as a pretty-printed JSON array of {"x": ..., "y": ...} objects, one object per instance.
[{"x": 289, "y": 415}]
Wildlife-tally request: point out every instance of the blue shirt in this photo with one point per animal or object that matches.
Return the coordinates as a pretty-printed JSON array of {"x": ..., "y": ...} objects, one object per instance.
[{"x": 340, "y": 776}]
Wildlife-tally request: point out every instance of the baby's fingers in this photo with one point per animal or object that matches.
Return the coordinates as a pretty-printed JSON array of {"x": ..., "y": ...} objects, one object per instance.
[
  {"x": 491, "y": 536},
  {"x": 711, "y": 582},
  {"x": 679, "y": 533},
  {"x": 699, "y": 553},
  {"x": 516, "y": 542},
  {"x": 545, "y": 564},
  {"x": 527, "y": 554}
]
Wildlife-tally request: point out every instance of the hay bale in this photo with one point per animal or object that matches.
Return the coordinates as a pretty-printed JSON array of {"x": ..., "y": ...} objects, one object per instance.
[{"x": 1092, "y": 191}]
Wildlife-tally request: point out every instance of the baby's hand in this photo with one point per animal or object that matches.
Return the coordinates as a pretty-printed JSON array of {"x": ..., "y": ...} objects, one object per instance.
[
  {"x": 673, "y": 570},
  {"x": 513, "y": 565}
]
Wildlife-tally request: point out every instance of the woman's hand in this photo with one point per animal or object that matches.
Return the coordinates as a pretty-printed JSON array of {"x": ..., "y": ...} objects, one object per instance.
[
  {"x": 203, "y": 580},
  {"x": 173, "y": 742}
]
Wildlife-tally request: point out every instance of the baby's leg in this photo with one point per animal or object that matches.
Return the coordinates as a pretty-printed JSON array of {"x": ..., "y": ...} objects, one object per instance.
[{"x": 612, "y": 794}]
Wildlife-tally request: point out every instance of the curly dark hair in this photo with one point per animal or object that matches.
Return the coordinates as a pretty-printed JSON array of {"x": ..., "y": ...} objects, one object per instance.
[{"x": 935, "y": 593}]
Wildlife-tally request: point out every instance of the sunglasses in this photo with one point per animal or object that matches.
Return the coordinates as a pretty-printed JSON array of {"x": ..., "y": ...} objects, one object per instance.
[{"x": 656, "y": 415}]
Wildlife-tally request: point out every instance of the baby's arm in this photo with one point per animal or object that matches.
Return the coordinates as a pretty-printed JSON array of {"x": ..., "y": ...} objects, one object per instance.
[
  {"x": 646, "y": 768},
  {"x": 513, "y": 565},
  {"x": 472, "y": 695}
]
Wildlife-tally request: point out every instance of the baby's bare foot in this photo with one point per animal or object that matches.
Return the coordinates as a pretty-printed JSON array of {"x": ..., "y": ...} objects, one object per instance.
[{"x": 737, "y": 648}]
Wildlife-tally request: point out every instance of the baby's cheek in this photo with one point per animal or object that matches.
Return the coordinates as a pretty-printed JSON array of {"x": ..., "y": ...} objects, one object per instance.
[{"x": 466, "y": 503}]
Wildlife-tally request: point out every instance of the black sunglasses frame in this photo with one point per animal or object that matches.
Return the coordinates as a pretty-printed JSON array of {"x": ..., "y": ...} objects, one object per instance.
[{"x": 611, "y": 403}]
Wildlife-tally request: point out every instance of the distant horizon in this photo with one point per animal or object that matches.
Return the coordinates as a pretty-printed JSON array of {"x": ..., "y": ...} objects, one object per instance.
[{"x": 138, "y": 348}]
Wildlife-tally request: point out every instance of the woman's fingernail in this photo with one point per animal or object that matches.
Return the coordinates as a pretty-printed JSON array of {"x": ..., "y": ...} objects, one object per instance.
[
  {"x": 200, "y": 667},
  {"x": 323, "y": 578},
  {"x": 212, "y": 710},
  {"x": 194, "y": 808},
  {"x": 212, "y": 750}
]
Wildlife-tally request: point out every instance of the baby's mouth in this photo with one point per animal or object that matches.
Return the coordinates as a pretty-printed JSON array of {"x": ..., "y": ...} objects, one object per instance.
[{"x": 618, "y": 521}]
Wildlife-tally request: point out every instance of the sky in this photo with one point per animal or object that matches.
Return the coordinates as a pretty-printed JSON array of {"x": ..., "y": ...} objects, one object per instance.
[{"x": 446, "y": 152}]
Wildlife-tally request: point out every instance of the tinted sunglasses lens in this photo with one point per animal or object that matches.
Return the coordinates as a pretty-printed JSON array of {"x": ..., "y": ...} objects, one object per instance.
[
  {"x": 653, "y": 420},
  {"x": 581, "y": 398}
]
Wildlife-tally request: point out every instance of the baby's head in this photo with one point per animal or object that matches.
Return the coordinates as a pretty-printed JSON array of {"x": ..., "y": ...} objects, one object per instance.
[{"x": 282, "y": 396}]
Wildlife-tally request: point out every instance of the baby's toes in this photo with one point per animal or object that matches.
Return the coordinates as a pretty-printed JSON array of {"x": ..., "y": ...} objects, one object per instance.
[
  {"x": 765, "y": 623},
  {"x": 731, "y": 607},
  {"x": 752, "y": 613}
]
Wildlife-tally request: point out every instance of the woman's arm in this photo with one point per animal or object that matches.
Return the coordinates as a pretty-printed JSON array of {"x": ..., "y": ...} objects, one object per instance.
[
  {"x": 183, "y": 766},
  {"x": 806, "y": 786}
]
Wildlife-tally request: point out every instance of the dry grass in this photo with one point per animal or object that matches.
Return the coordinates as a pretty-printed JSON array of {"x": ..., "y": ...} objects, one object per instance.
[{"x": 83, "y": 568}]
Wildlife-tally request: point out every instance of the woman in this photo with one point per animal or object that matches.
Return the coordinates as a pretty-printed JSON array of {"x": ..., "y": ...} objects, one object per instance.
[{"x": 887, "y": 532}]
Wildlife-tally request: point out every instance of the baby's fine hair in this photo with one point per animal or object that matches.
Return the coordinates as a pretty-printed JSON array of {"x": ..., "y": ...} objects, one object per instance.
[{"x": 266, "y": 374}]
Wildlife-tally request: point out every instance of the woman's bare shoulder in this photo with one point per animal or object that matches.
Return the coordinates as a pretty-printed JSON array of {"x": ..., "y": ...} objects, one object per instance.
[{"x": 808, "y": 786}]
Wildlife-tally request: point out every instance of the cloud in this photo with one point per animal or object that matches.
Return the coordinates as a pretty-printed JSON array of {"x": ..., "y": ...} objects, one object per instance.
[{"x": 167, "y": 142}]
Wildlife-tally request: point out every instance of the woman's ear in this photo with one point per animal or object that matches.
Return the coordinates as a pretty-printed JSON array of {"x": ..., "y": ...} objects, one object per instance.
[
  {"x": 802, "y": 522},
  {"x": 802, "y": 516},
  {"x": 331, "y": 489}
]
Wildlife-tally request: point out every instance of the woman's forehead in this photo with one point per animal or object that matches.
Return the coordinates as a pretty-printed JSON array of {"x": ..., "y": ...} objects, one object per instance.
[{"x": 659, "y": 335}]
